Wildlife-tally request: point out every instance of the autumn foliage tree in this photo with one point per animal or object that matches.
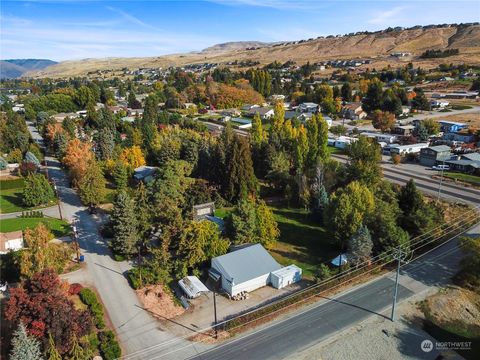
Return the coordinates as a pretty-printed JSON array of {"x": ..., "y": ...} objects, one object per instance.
[
  {"x": 42, "y": 305},
  {"x": 40, "y": 254},
  {"x": 132, "y": 157},
  {"x": 383, "y": 120},
  {"x": 77, "y": 157}
]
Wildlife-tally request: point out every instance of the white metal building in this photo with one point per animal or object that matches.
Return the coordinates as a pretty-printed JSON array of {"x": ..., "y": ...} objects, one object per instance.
[
  {"x": 192, "y": 286},
  {"x": 407, "y": 149},
  {"x": 286, "y": 276},
  {"x": 246, "y": 269}
]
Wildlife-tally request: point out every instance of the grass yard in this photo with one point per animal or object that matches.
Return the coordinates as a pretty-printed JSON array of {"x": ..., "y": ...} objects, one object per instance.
[
  {"x": 472, "y": 179},
  {"x": 58, "y": 227},
  {"x": 302, "y": 241},
  {"x": 333, "y": 150},
  {"x": 11, "y": 196}
]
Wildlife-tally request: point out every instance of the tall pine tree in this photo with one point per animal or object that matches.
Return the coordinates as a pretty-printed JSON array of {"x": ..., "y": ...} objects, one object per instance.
[
  {"x": 24, "y": 346},
  {"x": 124, "y": 225}
]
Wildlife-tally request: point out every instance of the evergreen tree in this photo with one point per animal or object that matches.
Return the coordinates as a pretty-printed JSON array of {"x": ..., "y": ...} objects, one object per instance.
[
  {"x": 76, "y": 352},
  {"x": 24, "y": 346},
  {"x": 92, "y": 185},
  {"x": 37, "y": 190},
  {"x": 409, "y": 198},
  {"x": 360, "y": 246},
  {"x": 421, "y": 132},
  {"x": 374, "y": 97},
  {"x": 31, "y": 158},
  {"x": 124, "y": 225},
  {"x": 120, "y": 175},
  {"x": 60, "y": 143},
  {"x": 105, "y": 144},
  {"x": 346, "y": 92},
  {"x": 241, "y": 180}
]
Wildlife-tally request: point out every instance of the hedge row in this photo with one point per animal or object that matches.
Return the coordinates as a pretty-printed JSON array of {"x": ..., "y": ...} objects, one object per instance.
[
  {"x": 109, "y": 347},
  {"x": 89, "y": 298}
]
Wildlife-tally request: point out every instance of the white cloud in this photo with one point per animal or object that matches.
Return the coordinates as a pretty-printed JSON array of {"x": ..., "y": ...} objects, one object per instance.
[
  {"x": 388, "y": 16},
  {"x": 60, "y": 40},
  {"x": 274, "y": 4}
]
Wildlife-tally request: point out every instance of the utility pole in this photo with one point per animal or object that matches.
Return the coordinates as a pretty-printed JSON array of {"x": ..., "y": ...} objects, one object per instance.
[
  {"x": 75, "y": 239},
  {"x": 441, "y": 180},
  {"x": 399, "y": 254},
  {"x": 58, "y": 200},
  {"x": 215, "y": 312}
]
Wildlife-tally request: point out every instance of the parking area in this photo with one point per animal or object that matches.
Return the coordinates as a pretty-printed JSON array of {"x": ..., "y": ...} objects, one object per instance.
[{"x": 200, "y": 315}]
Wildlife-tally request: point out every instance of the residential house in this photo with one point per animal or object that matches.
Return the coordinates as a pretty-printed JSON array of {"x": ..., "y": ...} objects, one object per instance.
[
  {"x": 264, "y": 112},
  {"x": 144, "y": 173},
  {"x": 452, "y": 126},
  {"x": 439, "y": 104},
  {"x": 459, "y": 136},
  {"x": 62, "y": 116},
  {"x": 434, "y": 155},
  {"x": 403, "y": 130},
  {"x": 11, "y": 241},
  {"x": 353, "y": 111},
  {"x": 380, "y": 137},
  {"x": 308, "y": 107},
  {"x": 248, "y": 107},
  {"x": 466, "y": 163}
]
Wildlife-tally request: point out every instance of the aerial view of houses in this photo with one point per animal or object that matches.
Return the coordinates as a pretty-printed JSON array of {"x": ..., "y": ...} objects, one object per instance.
[{"x": 273, "y": 199}]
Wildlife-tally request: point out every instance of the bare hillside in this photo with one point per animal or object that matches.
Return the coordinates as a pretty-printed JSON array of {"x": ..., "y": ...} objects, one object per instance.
[{"x": 377, "y": 46}]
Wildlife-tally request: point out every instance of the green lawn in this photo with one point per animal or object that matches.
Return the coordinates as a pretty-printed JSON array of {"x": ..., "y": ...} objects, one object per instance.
[
  {"x": 333, "y": 150},
  {"x": 11, "y": 196},
  {"x": 472, "y": 179},
  {"x": 57, "y": 227},
  {"x": 302, "y": 241}
]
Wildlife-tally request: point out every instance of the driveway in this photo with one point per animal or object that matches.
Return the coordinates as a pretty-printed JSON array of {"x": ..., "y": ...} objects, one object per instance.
[{"x": 135, "y": 328}]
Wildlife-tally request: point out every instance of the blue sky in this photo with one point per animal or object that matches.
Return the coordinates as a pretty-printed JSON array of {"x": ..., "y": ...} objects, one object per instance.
[{"x": 70, "y": 29}]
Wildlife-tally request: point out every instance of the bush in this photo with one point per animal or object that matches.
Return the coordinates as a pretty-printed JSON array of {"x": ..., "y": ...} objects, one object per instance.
[
  {"x": 396, "y": 158},
  {"x": 109, "y": 347},
  {"x": 89, "y": 298},
  {"x": 37, "y": 190},
  {"x": 27, "y": 168},
  {"x": 323, "y": 272},
  {"x": 74, "y": 288}
]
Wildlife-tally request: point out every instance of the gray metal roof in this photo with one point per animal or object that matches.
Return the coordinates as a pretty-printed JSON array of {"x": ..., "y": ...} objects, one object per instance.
[
  {"x": 440, "y": 148},
  {"x": 247, "y": 263}
]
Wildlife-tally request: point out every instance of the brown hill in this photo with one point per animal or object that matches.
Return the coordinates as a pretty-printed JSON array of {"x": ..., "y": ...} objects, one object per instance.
[{"x": 377, "y": 46}]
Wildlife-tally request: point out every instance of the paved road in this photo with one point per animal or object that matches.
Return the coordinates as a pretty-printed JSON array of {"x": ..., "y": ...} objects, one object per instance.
[
  {"x": 136, "y": 329},
  {"x": 322, "y": 320},
  {"x": 401, "y": 174}
]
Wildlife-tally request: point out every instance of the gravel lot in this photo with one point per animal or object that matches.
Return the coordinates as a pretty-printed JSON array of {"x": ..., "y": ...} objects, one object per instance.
[{"x": 378, "y": 339}]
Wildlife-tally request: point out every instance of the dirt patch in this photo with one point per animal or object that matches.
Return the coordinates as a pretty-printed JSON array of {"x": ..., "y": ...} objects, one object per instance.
[
  {"x": 470, "y": 118},
  {"x": 159, "y": 302},
  {"x": 455, "y": 304}
]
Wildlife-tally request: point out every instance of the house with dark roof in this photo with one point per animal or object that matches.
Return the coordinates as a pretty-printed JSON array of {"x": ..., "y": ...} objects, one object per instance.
[
  {"x": 466, "y": 163},
  {"x": 264, "y": 112}
]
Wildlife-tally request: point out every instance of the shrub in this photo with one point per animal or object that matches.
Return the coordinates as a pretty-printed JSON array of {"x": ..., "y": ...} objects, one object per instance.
[
  {"x": 89, "y": 298},
  {"x": 27, "y": 168},
  {"x": 37, "y": 190},
  {"x": 323, "y": 272},
  {"x": 74, "y": 289},
  {"x": 109, "y": 347},
  {"x": 396, "y": 158}
]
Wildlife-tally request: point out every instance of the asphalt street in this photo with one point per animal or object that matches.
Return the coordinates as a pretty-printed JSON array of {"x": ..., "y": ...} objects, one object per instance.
[{"x": 296, "y": 333}]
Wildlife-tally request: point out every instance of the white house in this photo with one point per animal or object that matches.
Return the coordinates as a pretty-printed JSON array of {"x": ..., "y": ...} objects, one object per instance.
[
  {"x": 11, "y": 241},
  {"x": 263, "y": 111},
  {"x": 379, "y": 137},
  {"x": 246, "y": 269},
  {"x": 439, "y": 103},
  {"x": 407, "y": 149}
]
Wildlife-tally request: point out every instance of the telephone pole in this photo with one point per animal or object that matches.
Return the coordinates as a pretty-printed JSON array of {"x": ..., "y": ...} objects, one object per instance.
[{"x": 399, "y": 256}]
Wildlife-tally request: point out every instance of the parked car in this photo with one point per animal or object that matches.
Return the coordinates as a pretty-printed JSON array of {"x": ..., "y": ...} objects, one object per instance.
[{"x": 441, "y": 167}]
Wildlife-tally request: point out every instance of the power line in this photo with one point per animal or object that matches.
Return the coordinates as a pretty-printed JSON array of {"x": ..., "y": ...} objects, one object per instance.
[{"x": 472, "y": 215}]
